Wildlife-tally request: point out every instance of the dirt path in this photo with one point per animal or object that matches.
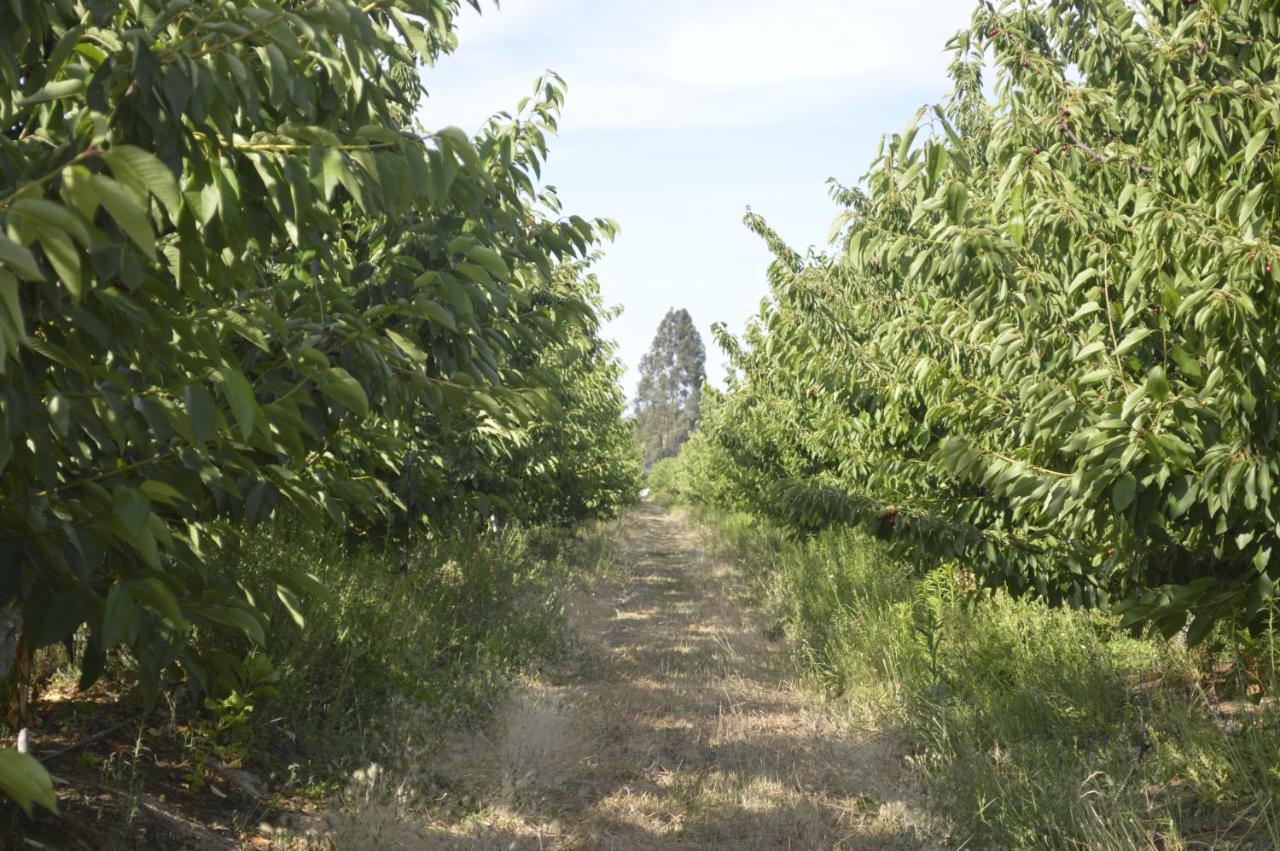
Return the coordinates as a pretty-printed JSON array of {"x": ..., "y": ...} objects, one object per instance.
[{"x": 674, "y": 726}]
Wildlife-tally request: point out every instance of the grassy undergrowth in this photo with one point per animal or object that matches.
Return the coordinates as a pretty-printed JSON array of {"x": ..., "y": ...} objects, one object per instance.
[
  {"x": 1030, "y": 727},
  {"x": 357, "y": 689},
  {"x": 387, "y": 660}
]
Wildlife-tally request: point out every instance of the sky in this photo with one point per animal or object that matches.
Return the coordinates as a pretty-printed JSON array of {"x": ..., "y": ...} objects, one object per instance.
[{"x": 681, "y": 114}]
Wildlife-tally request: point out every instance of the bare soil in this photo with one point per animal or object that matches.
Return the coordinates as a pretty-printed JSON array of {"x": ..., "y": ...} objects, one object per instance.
[{"x": 676, "y": 724}]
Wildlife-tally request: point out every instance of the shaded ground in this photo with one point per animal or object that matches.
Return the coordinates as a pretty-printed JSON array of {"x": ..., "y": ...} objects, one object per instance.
[
  {"x": 123, "y": 783},
  {"x": 673, "y": 723},
  {"x": 676, "y": 725}
]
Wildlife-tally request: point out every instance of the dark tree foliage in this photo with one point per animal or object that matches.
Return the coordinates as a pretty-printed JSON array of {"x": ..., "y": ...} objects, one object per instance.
[
  {"x": 240, "y": 280},
  {"x": 668, "y": 400}
]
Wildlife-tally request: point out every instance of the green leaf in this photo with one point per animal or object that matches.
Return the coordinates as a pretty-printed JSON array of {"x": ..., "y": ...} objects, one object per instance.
[
  {"x": 20, "y": 260},
  {"x": 1132, "y": 339},
  {"x": 1123, "y": 492},
  {"x": 312, "y": 134},
  {"x": 63, "y": 256},
  {"x": 58, "y": 56},
  {"x": 1158, "y": 384},
  {"x": 1085, "y": 309},
  {"x": 56, "y": 619},
  {"x": 1199, "y": 628},
  {"x": 1091, "y": 349},
  {"x": 1255, "y": 144},
  {"x": 130, "y": 215},
  {"x": 1250, "y": 203},
  {"x": 45, "y": 216},
  {"x": 24, "y": 780},
  {"x": 253, "y": 506},
  {"x": 239, "y": 395},
  {"x": 301, "y": 582},
  {"x": 117, "y": 617},
  {"x": 412, "y": 32},
  {"x": 131, "y": 507},
  {"x": 11, "y": 303},
  {"x": 1081, "y": 279},
  {"x": 334, "y": 171},
  {"x": 407, "y": 346},
  {"x": 202, "y": 412},
  {"x": 491, "y": 261},
  {"x": 1095, "y": 375},
  {"x": 154, "y": 592},
  {"x": 292, "y": 604},
  {"x": 490, "y": 404},
  {"x": 460, "y": 143},
  {"x": 237, "y": 618},
  {"x": 337, "y": 384},
  {"x": 246, "y": 329},
  {"x": 143, "y": 172},
  {"x": 53, "y": 91},
  {"x": 157, "y": 491},
  {"x": 60, "y": 414},
  {"x": 438, "y": 313}
]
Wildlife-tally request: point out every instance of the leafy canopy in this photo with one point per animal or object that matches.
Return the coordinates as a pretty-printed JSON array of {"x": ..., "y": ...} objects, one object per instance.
[
  {"x": 238, "y": 278},
  {"x": 1045, "y": 342}
]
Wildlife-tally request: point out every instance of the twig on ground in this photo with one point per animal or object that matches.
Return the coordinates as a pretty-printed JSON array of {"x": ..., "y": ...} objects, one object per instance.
[{"x": 84, "y": 743}]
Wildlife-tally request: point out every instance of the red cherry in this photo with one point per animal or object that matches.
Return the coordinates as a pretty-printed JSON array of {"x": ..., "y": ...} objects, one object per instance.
[
  {"x": 1111, "y": 552},
  {"x": 1268, "y": 268}
]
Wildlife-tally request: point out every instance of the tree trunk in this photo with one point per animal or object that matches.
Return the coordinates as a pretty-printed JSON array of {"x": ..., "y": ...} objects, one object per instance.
[{"x": 17, "y": 685}]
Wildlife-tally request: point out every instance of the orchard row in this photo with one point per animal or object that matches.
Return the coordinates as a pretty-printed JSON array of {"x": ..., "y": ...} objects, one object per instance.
[
  {"x": 1044, "y": 342},
  {"x": 240, "y": 280}
]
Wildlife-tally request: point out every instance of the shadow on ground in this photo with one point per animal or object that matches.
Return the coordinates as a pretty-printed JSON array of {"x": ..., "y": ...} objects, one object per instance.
[{"x": 676, "y": 725}]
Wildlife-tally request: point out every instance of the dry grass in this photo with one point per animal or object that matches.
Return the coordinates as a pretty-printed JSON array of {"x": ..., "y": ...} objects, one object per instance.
[{"x": 673, "y": 724}]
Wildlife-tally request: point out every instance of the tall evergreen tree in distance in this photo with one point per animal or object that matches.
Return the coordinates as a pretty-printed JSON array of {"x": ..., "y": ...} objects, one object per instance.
[{"x": 669, "y": 397}]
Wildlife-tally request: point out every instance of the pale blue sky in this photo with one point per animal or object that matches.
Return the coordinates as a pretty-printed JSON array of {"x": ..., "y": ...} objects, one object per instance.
[{"x": 681, "y": 113}]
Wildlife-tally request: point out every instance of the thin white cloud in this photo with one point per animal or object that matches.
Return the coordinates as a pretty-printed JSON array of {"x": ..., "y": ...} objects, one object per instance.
[
  {"x": 680, "y": 64},
  {"x": 743, "y": 45},
  {"x": 499, "y": 23}
]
